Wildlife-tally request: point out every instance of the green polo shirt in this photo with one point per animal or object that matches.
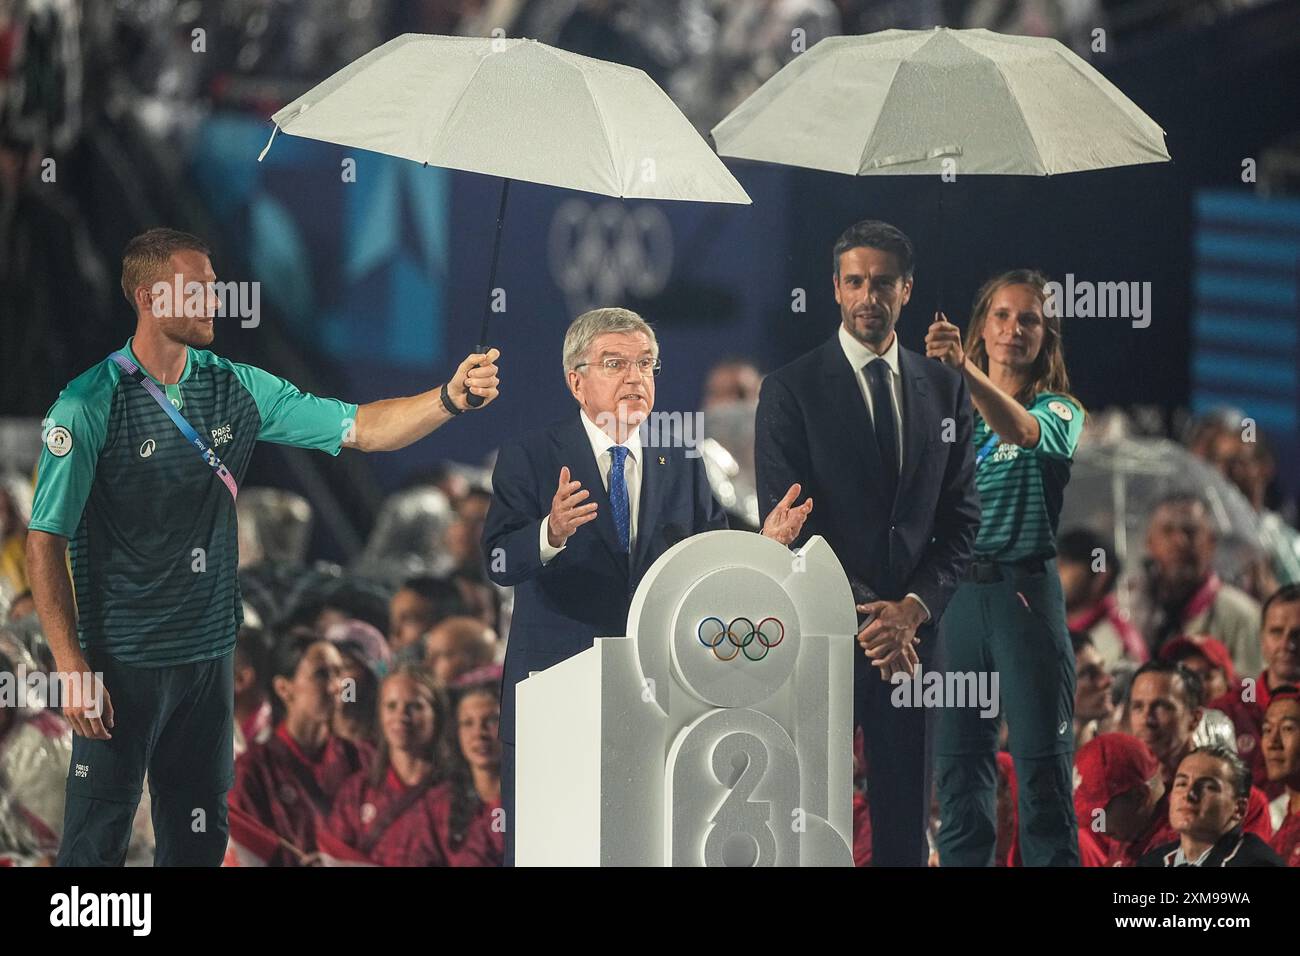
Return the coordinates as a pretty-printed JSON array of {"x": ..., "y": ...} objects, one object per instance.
[
  {"x": 1021, "y": 489},
  {"x": 152, "y": 529}
]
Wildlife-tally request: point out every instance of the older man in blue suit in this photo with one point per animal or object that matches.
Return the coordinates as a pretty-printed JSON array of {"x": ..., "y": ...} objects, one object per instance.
[{"x": 572, "y": 582}]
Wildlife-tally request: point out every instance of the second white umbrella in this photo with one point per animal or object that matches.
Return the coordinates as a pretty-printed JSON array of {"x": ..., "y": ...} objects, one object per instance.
[{"x": 903, "y": 101}]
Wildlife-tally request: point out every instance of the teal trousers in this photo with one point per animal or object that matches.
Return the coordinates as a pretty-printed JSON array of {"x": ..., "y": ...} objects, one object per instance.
[{"x": 1013, "y": 628}]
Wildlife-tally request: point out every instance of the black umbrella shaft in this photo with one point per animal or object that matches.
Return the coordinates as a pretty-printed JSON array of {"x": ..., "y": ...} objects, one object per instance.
[
  {"x": 943, "y": 264},
  {"x": 492, "y": 272},
  {"x": 474, "y": 401}
]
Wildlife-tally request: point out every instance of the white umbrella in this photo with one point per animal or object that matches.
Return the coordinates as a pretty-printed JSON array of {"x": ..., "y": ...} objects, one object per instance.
[
  {"x": 1116, "y": 482},
  {"x": 902, "y": 101},
  {"x": 930, "y": 102},
  {"x": 518, "y": 109}
]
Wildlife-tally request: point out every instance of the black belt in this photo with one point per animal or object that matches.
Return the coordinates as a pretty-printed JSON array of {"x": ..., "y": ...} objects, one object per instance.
[{"x": 987, "y": 571}]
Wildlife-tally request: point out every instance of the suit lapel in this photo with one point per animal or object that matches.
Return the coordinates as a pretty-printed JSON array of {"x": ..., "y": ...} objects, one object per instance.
[
  {"x": 918, "y": 416},
  {"x": 849, "y": 407},
  {"x": 654, "y": 477},
  {"x": 575, "y": 451}
]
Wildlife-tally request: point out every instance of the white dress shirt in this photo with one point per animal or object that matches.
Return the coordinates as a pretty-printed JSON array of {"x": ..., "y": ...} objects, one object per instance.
[
  {"x": 858, "y": 356},
  {"x": 601, "y": 443}
]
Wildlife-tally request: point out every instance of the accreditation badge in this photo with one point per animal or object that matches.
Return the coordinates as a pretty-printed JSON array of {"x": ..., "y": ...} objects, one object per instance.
[
  {"x": 1061, "y": 410},
  {"x": 59, "y": 441}
]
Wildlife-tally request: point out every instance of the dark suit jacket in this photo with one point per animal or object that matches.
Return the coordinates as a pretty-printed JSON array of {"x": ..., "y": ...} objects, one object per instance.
[
  {"x": 1234, "y": 848},
  {"x": 814, "y": 428},
  {"x": 584, "y": 592}
]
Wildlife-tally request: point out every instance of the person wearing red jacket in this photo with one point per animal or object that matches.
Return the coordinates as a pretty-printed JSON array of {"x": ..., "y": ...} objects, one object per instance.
[
  {"x": 861, "y": 829},
  {"x": 1119, "y": 799},
  {"x": 389, "y": 813},
  {"x": 1280, "y": 744},
  {"x": 470, "y": 820},
  {"x": 1279, "y": 641},
  {"x": 289, "y": 783}
]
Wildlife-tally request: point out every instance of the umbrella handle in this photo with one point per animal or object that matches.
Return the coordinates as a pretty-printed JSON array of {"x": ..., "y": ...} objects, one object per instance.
[{"x": 472, "y": 400}]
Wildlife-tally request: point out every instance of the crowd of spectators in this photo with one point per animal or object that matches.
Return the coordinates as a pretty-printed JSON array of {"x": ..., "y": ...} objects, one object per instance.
[{"x": 1186, "y": 731}]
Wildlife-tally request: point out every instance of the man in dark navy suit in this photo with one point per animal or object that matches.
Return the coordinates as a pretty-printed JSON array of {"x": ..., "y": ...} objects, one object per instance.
[
  {"x": 881, "y": 437},
  {"x": 574, "y": 583}
]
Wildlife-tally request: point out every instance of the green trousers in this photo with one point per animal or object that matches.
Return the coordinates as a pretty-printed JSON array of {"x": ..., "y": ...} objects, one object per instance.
[
  {"x": 1014, "y": 628},
  {"x": 177, "y": 723}
]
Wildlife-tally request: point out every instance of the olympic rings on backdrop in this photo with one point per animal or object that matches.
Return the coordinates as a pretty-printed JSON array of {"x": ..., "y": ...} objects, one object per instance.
[{"x": 740, "y": 638}]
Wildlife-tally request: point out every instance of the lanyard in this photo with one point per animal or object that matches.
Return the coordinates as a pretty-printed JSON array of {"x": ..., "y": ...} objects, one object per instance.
[
  {"x": 986, "y": 448},
  {"x": 132, "y": 371}
]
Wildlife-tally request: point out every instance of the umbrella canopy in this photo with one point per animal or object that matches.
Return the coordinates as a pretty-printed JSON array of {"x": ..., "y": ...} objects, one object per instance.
[
  {"x": 902, "y": 101},
  {"x": 1115, "y": 484},
  {"x": 518, "y": 109}
]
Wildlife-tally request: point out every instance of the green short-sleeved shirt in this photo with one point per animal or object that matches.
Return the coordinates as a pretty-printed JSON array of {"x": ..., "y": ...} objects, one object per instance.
[
  {"x": 152, "y": 528},
  {"x": 1021, "y": 489}
]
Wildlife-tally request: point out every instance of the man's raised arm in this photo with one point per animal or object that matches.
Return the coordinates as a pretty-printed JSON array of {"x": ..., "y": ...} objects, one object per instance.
[{"x": 394, "y": 423}]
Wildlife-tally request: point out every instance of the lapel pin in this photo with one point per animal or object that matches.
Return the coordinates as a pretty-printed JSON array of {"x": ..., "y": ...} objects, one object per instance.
[{"x": 662, "y": 460}]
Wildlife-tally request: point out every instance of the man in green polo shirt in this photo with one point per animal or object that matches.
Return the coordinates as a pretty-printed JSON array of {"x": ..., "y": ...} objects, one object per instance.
[{"x": 149, "y": 512}]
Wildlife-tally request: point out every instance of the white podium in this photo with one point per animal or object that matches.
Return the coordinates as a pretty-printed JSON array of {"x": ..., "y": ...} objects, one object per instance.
[{"x": 716, "y": 733}]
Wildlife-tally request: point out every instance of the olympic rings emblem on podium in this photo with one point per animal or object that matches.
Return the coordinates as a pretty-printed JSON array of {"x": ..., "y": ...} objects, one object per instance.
[{"x": 740, "y": 635}]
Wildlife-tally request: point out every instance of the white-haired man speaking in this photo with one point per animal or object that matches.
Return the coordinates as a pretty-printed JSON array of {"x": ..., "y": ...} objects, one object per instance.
[{"x": 583, "y": 507}]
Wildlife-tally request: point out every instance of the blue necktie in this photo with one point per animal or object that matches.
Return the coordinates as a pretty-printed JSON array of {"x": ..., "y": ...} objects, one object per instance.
[
  {"x": 882, "y": 420},
  {"x": 618, "y": 495}
]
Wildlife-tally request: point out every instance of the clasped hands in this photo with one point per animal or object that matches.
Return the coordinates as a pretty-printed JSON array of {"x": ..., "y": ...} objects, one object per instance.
[{"x": 889, "y": 636}]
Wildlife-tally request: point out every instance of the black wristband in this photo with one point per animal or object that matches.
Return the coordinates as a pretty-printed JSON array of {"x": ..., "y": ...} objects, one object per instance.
[{"x": 447, "y": 403}]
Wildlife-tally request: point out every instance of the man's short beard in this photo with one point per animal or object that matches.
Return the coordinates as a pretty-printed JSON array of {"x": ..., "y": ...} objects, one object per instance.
[
  {"x": 196, "y": 335},
  {"x": 852, "y": 326}
]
